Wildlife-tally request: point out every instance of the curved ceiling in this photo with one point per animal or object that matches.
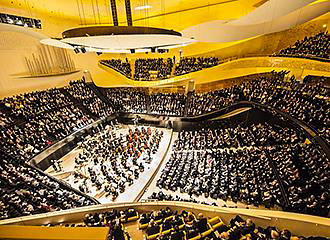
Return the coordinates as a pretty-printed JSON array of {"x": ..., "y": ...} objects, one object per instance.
[{"x": 259, "y": 22}]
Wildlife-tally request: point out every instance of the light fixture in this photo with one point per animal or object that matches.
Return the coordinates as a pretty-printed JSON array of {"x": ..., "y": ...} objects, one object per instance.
[
  {"x": 324, "y": 25},
  {"x": 143, "y": 7}
]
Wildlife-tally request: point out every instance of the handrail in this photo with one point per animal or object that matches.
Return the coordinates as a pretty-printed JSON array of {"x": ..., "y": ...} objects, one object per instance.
[{"x": 299, "y": 224}]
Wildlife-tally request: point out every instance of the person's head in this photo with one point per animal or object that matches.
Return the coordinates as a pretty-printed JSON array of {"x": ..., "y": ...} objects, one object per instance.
[
  {"x": 285, "y": 234},
  {"x": 200, "y": 216},
  {"x": 249, "y": 222},
  {"x": 274, "y": 234},
  {"x": 224, "y": 235}
]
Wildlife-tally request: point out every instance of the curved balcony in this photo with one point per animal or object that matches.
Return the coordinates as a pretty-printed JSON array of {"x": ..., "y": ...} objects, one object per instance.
[
  {"x": 300, "y": 67},
  {"x": 29, "y": 227}
]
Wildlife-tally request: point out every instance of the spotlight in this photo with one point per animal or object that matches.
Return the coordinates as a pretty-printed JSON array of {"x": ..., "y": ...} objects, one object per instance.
[
  {"x": 132, "y": 50},
  {"x": 83, "y": 50},
  {"x": 76, "y": 50}
]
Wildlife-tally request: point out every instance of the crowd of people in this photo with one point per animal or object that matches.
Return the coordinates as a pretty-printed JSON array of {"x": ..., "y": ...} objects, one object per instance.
[
  {"x": 313, "y": 46},
  {"x": 114, "y": 220},
  {"x": 160, "y": 196},
  {"x": 25, "y": 191},
  {"x": 38, "y": 120},
  {"x": 193, "y": 64},
  {"x": 172, "y": 104},
  {"x": 148, "y": 69},
  {"x": 113, "y": 158},
  {"x": 249, "y": 164},
  {"x": 306, "y": 102},
  {"x": 124, "y": 67},
  {"x": 128, "y": 100},
  {"x": 166, "y": 224},
  {"x": 144, "y": 67},
  {"x": 85, "y": 95}
]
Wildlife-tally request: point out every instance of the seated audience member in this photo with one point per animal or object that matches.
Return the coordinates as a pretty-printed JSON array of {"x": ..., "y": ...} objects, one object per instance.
[
  {"x": 123, "y": 67},
  {"x": 201, "y": 223},
  {"x": 313, "y": 46},
  {"x": 144, "y": 67},
  {"x": 153, "y": 228},
  {"x": 25, "y": 191},
  {"x": 193, "y": 64},
  {"x": 83, "y": 93}
]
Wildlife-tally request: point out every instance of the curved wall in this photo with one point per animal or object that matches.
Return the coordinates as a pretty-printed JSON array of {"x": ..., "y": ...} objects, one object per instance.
[
  {"x": 232, "y": 69},
  {"x": 298, "y": 224}
]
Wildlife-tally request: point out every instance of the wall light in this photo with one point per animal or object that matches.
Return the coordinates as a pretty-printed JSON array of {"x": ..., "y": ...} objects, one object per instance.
[{"x": 143, "y": 7}]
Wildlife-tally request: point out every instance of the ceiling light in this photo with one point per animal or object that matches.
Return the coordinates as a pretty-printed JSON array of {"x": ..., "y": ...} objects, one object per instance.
[
  {"x": 143, "y": 7},
  {"x": 324, "y": 25}
]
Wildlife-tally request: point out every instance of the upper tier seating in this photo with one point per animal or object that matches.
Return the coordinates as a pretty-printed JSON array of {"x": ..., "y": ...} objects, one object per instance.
[
  {"x": 123, "y": 67},
  {"x": 303, "y": 101},
  {"x": 38, "y": 119},
  {"x": 314, "y": 46},
  {"x": 143, "y": 66},
  {"x": 147, "y": 69},
  {"x": 193, "y": 64}
]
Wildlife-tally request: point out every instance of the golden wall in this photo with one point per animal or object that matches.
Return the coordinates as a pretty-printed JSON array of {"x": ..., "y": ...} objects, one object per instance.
[{"x": 232, "y": 69}]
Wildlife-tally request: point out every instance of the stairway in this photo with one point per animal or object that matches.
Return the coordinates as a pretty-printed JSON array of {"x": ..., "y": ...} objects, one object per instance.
[
  {"x": 186, "y": 106},
  {"x": 148, "y": 103},
  {"x": 284, "y": 193}
]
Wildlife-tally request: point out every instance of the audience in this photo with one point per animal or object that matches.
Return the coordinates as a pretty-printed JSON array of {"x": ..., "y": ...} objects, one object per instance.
[
  {"x": 172, "y": 104},
  {"x": 123, "y": 67},
  {"x": 166, "y": 224},
  {"x": 41, "y": 118},
  {"x": 82, "y": 93},
  {"x": 161, "y": 67},
  {"x": 160, "y": 196},
  {"x": 314, "y": 46},
  {"x": 25, "y": 191},
  {"x": 303, "y": 101},
  {"x": 128, "y": 100},
  {"x": 238, "y": 163},
  {"x": 148, "y": 69},
  {"x": 193, "y": 64}
]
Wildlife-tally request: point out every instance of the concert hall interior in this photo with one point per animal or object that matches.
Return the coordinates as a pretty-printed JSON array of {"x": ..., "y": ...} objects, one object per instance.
[{"x": 165, "y": 119}]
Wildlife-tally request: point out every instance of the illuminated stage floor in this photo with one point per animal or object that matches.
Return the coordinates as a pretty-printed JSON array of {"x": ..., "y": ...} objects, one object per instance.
[{"x": 131, "y": 192}]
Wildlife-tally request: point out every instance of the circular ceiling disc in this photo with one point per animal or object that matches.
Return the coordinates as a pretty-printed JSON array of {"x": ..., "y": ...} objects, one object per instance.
[{"x": 128, "y": 41}]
